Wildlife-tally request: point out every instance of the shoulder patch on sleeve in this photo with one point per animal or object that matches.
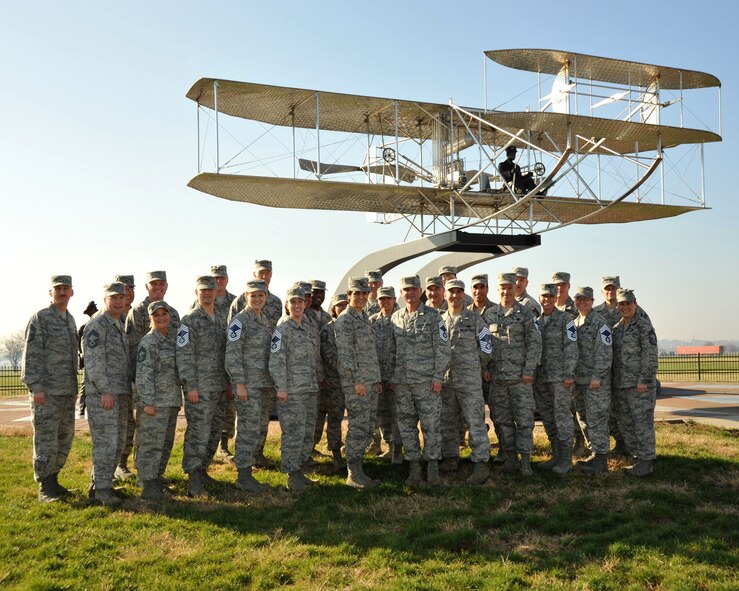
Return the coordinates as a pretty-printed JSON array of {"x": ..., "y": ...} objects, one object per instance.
[
  {"x": 142, "y": 355},
  {"x": 93, "y": 339},
  {"x": 571, "y": 331},
  {"x": 276, "y": 343},
  {"x": 234, "y": 330},
  {"x": 486, "y": 340},
  {"x": 536, "y": 324},
  {"x": 605, "y": 335},
  {"x": 652, "y": 337},
  {"x": 183, "y": 336},
  {"x": 443, "y": 334}
]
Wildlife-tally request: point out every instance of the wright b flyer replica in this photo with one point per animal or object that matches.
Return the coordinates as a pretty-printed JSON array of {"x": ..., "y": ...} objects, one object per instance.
[{"x": 599, "y": 141}]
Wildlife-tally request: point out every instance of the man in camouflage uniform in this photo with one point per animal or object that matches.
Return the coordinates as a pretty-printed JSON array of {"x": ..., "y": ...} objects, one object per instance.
[
  {"x": 564, "y": 302},
  {"x": 331, "y": 398},
  {"x": 522, "y": 296},
  {"x": 593, "y": 378},
  {"x": 448, "y": 272},
  {"x": 554, "y": 379},
  {"x": 516, "y": 353},
  {"x": 435, "y": 294},
  {"x": 293, "y": 365},
  {"x": 387, "y": 418},
  {"x": 137, "y": 325},
  {"x": 359, "y": 373},
  {"x": 247, "y": 362},
  {"x": 49, "y": 369},
  {"x": 122, "y": 472},
  {"x": 201, "y": 349},
  {"x": 321, "y": 318},
  {"x": 375, "y": 283},
  {"x": 108, "y": 389},
  {"x": 635, "y": 359},
  {"x": 422, "y": 358},
  {"x": 471, "y": 346}
]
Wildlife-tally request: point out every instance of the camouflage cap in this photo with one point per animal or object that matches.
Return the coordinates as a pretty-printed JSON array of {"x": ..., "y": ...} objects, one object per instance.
[
  {"x": 548, "y": 289},
  {"x": 295, "y": 292},
  {"x": 317, "y": 285},
  {"x": 386, "y": 292},
  {"x": 92, "y": 307},
  {"x": 154, "y": 306},
  {"x": 305, "y": 286},
  {"x": 447, "y": 269},
  {"x": 410, "y": 281},
  {"x": 156, "y": 276},
  {"x": 358, "y": 284},
  {"x": 256, "y": 285},
  {"x": 560, "y": 277},
  {"x": 614, "y": 280},
  {"x": 521, "y": 271},
  {"x": 61, "y": 280},
  {"x": 205, "y": 282},
  {"x": 219, "y": 271},
  {"x": 374, "y": 276},
  {"x": 434, "y": 281},
  {"x": 625, "y": 295},
  {"x": 455, "y": 284},
  {"x": 126, "y": 280},
  {"x": 482, "y": 278},
  {"x": 584, "y": 292},
  {"x": 113, "y": 289},
  {"x": 339, "y": 298},
  {"x": 265, "y": 264},
  {"x": 506, "y": 278}
]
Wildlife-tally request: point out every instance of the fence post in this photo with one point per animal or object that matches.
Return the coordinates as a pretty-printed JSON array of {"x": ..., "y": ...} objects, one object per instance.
[{"x": 699, "y": 367}]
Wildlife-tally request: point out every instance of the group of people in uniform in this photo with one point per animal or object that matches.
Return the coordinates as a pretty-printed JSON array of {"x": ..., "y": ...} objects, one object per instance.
[{"x": 434, "y": 358}]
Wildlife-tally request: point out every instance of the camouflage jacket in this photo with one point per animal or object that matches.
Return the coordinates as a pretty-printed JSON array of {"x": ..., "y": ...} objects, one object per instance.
[
  {"x": 422, "y": 351},
  {"x": 157, "y": 381},
  {"x": 471, "y": 347},
  {"x": 294, "y": 357},
  {"x": 530, "y": 303},
  {"x": 201, "y": 351},
  {"x": 594, "y": 339},
  {"x": 328, "y": 354},
  {"x": 272, "y": 307},
  {"x": 107, "y": 362},
  {"x": 569, "y": 307},
  {"x": 612, "y": 315},
  {"x": 137, "y": 325},
  {"x": 384, "y": 344},
  {"x": 50, "y": 354},
  {"x": 516, "y": 342},
  {"x": 356, "y": 349},
  {"x": 559, "y": 351},
  {"x": 222, "y": 306},
  {"x": 635, "y": 357},
  {"x": 247, "y": 349}
]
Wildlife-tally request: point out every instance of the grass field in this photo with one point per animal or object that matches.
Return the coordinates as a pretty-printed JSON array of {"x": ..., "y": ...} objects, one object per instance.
[{"x": 677, "y": 530}]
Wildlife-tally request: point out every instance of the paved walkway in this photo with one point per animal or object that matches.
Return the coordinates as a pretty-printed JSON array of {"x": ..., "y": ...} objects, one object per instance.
[{"x": 713, "y": 404}]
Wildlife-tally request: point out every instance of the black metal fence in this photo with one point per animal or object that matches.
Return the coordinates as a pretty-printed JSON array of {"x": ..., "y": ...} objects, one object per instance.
[
  {"x": 11, "y": 385},
  {"x": 699, "y": 367}
]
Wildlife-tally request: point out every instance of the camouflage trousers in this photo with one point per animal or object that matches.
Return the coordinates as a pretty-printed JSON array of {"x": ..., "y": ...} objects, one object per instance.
[
  {"x": 387, "y": 418},
  {"x": 592, "y": 412},
  {"x": 108, "y": 433},
  {"x": 330, "y": 413},
  {"x": 266, "y": 409},
  {"x": 229, "y": 418},
  {"x": 362, "y": 414},
  {"x": 203, "y": 433},
  {"x": 248, "y": 427},
  {"x": 636, "y": 421},
  {"x": 489, "y": 402},
  {"x": 468, "y": 403},
  {"x": 554, "y": 404},
  {"x": 155, "y": 441},
  {"x": 417, "y": 403},
  {"x": 297, "y": 423},
  {"x": 53, "y": 431},
  {"x": 131, "y": 426},
  {"x": 513, "y": 412},
  {"x": 613, "y": 415}
]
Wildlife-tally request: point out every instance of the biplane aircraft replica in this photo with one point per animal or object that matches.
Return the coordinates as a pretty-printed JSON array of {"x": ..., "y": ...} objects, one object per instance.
[{"x": 608, "y": 143}]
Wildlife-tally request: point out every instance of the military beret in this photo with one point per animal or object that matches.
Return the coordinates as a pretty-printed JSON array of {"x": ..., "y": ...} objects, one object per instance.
[
  {"x": 295, "y": 292},
  {"x": 115, "y": 288},
  {"x": 434, "y": 281},
  {"x": 126, "y": 280},
  {"x": 548, "y": 289},
  {"x": 560, "y": 277},
  {"x": 339, "y": 298},
  {"x": 509, "y": 278},
  {"x": 156, "y": 276},
  {"x": 219, "y": 271},
  {"x": 205, "y": 282},
  {"x": 374, "y": 276},
  {"x": 92, "y": 307},
  {"x": 154, "y": 306},
  {"x": 480, "y": 279},
  {"x": 615, "y": 280},
  {"x": 259, "y": 265},
  {"x": 411, "y": 281},
  {"x": 584, "y": 292},
  {"x": 455, "y": 284},
  {"x": 317, "y": 284},
  {"x": 625, "y": 295},
  {"x": 386, "y": 292},
  {"x": 358, "y": 284},
  {"x": 447, "y": 269},
  {"x": 61, "y": 280},
  {"x": 256, "y": 285},
  {"x": 521, "y": 272}
]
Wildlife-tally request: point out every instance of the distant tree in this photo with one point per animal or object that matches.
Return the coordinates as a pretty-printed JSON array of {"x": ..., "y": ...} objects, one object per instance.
[
  {"x": 11, "y": 347},
  {"x": 708, "y": 344}
]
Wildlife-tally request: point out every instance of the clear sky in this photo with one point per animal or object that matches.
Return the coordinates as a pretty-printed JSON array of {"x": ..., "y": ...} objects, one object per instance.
[{"x": 98, "y": 142}]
